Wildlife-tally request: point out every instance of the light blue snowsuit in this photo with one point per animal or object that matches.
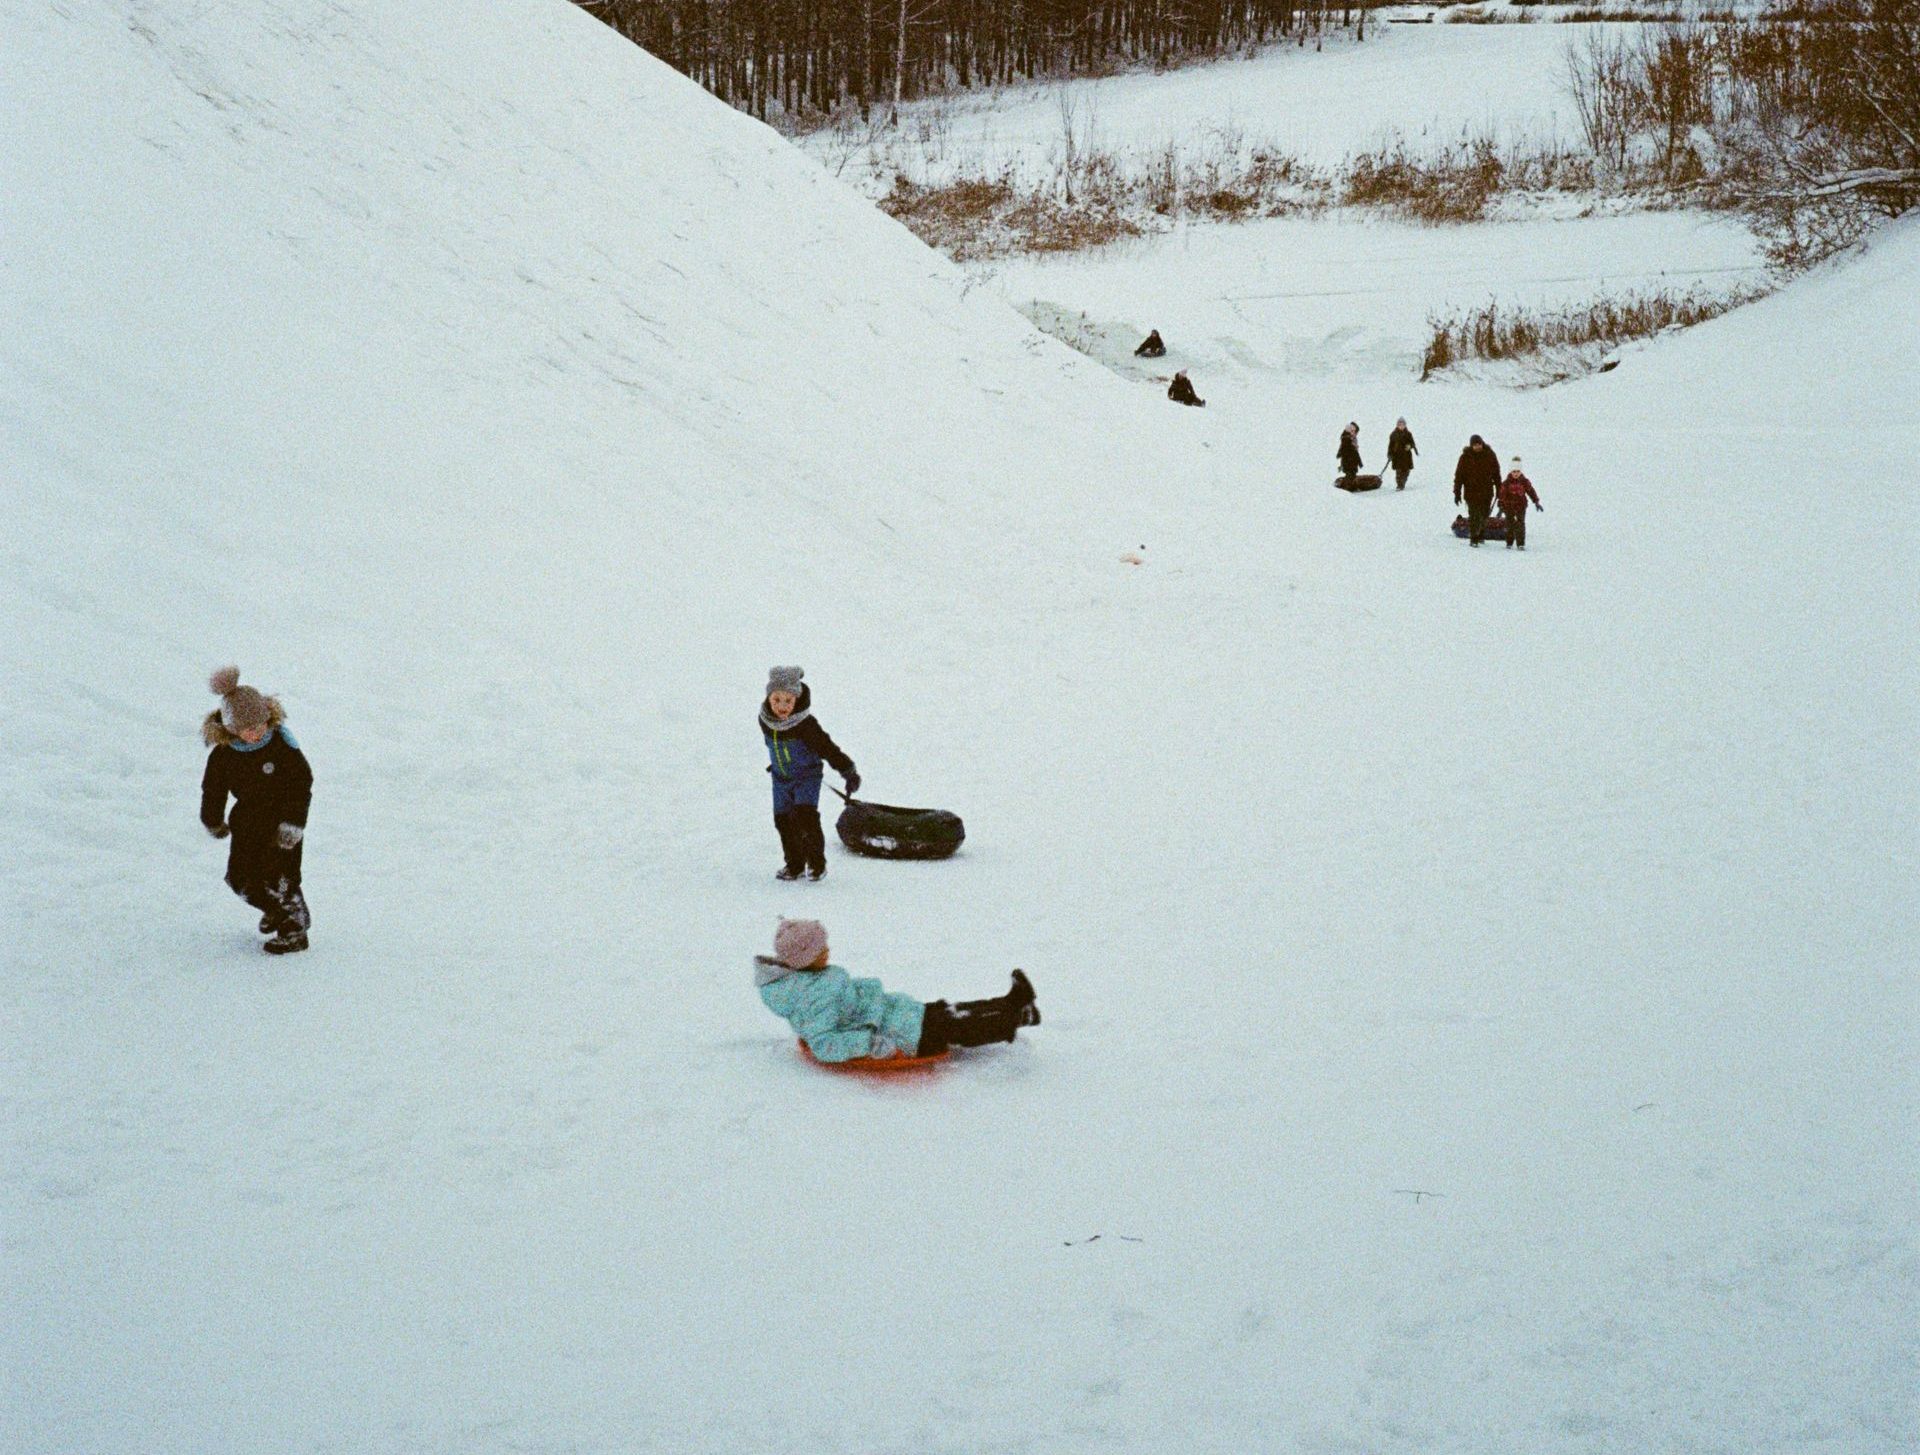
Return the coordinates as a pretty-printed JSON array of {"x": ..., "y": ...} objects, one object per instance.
[{"x": 840, "y": 1018}]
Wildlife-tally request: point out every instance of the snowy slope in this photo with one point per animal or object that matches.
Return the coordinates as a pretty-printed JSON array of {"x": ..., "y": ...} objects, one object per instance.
[
  {"x": 355, "y": 278},
  {"x": 510, "y": 407}
]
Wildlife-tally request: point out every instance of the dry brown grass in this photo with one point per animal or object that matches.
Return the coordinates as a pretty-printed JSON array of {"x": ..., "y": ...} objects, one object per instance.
[
  {"x": 1494, "y": 332},
  {"x": 976, "y": 217},
  {"x": 1460, "y": 183}
]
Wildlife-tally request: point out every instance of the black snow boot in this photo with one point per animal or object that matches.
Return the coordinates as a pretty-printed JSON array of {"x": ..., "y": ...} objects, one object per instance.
[
  {"x": 792, "y": 851},
  {"x": 813, "y": 840},
  {"x": 293, "y": 906},
  {"x": 982, "y": 1022},
  {"x": 287, "y": 940}
]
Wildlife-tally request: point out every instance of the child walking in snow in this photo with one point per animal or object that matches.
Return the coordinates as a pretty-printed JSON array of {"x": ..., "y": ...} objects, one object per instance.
[
  {"x": 1515, "y": 491},
  {"x": 1400, "y": 452},
  {"x": 1349, "y": 452},
  {"x": 800, "y": 750},
  {"x": 844, "y": 1019},
  {"x": 257, "y": 763}
]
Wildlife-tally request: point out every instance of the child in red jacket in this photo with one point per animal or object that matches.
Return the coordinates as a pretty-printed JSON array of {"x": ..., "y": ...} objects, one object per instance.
[{"x": 1515, "y": 491}]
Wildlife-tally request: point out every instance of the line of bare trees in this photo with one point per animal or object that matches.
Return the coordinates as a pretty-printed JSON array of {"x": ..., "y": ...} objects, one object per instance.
[
  {"x": 813, "y": 57},
  {"x": 1812, "y": 121}
]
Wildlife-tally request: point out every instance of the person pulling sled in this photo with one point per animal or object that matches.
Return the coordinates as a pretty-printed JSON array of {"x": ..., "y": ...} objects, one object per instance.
[
  {"x": 800, "y": 751},
  {"x": 1475, "y": 478},
  {"x": 1348, "y": 453},
  {"x": 1400, "y": 452}
]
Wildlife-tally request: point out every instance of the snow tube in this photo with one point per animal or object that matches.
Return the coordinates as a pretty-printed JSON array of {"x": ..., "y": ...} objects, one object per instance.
[
  {"x": 1496, "y": 528},
  {"x": 883, "y": 831},
  {"x": 886, "y": 1065},
  {"x": 1357, "y": 483}
]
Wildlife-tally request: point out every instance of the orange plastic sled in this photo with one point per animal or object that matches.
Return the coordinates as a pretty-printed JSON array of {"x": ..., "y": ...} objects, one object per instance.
[{"x": 884, "y": 1064}]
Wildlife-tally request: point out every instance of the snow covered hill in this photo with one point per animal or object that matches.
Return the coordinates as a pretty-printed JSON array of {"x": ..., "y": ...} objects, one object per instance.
[
  {"x": 488, "y": 307},
  {"x": 1479, "y": 1010}
]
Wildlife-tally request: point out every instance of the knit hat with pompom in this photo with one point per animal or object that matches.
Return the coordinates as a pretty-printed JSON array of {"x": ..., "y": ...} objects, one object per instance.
[
  {"x": 241, "y": 708},
  {"x": 797, "y": 943}
]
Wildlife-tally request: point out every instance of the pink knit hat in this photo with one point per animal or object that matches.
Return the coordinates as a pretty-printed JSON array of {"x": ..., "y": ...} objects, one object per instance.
[
  {"x": 240, "y": 707},
  {"x": 797, "y": 943}
]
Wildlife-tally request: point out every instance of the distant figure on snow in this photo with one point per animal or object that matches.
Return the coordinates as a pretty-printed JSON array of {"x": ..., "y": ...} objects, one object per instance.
[
  {"x": 1349, "y": 452},
  {"x": 1474, "y": 479},
  {"x": 1400, "y": 452},
  {"x": 844, "y": 1019},
  {"x": 1180, "y": 391},
  {"x": 256, "y": 762},
  {"x": 800, "y": 750},
  {"x": 1151, "y": 347},
  {"x": 1515, "y": 491}
]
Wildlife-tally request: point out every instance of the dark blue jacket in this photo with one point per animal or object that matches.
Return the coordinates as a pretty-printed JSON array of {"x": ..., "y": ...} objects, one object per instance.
[{"x": 797, "y": 745}]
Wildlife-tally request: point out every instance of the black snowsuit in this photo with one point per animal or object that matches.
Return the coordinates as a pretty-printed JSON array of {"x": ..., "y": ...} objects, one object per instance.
[
  {"x": 1349, "y": 455},
  {"x": 1180, "y": 391},
  {"x": 1474, "y": 480},
  {"x": 1151, "y": 347},
  {"x": 1400, "y": 452},
  {"x": 270, "y": 785}
]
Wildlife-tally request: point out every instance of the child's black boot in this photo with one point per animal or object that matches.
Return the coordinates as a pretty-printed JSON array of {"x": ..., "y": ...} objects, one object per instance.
[
  {"x": 1022, "y": 999},
  {"x": 813, "y": 840},
  {"x": 289, "y": 939},
  {"x": 792, "y": 850}
]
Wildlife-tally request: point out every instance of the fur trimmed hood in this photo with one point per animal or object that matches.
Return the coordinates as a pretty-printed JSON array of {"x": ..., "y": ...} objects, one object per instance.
[
  {"x": 214, "y": 732},
  {"x": 766, "y": 970}
]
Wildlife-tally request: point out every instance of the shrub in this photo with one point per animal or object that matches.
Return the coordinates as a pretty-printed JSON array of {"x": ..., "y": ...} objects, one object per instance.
[{"x": 1493, "y": 332}]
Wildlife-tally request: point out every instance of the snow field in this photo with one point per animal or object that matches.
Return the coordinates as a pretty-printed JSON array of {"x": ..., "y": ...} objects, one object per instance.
[
  {"x": 1351, "y": 864},
  {"x": 1429, "y": 87}
]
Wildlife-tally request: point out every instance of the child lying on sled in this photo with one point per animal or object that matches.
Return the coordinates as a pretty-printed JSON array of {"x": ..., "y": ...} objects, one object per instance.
[{"x": 844, "y": 1019}]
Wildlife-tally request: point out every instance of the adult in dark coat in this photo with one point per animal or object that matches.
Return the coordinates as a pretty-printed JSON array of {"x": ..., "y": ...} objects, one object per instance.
[
  {"x": 1475, "y": 479},
  {"x": 1349, "y": 452},
  {"x": 1400, "y": 452}
]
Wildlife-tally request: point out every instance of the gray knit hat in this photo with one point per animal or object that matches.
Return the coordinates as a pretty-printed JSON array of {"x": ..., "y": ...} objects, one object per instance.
[{"x": 784, "y": 679}]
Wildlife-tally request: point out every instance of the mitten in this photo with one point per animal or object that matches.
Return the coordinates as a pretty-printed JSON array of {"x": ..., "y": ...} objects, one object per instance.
[
  {"x": 218, "y": 830},
  {"x": 853, "y": 781},
  {"x": 290, "y": 835}
]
